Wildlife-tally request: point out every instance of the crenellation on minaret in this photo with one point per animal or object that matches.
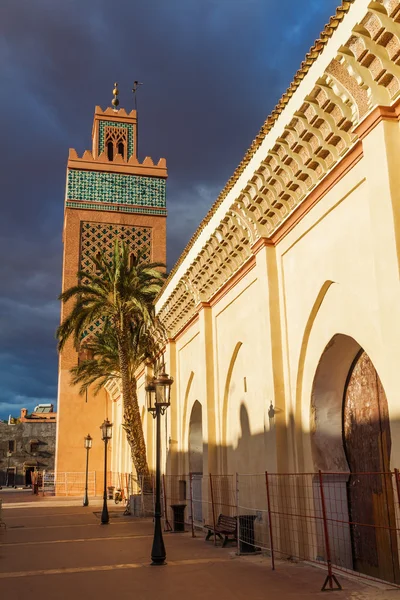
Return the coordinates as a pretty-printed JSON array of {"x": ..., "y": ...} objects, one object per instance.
[
  {"x": 101, "y": 162},
  {"x": 114, "y": 127}
]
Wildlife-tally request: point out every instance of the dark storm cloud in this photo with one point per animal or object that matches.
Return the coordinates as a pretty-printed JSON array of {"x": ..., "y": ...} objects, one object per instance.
[{"x": 212, "y": 71}]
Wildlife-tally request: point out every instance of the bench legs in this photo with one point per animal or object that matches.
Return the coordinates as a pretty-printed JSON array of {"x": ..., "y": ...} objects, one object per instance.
[
  {"x": 210, "y": 533},
  {"x": 225, "y": 538}
]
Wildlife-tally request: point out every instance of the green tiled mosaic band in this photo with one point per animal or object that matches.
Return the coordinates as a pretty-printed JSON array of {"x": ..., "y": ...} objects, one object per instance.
[
  {"x": 97, "y": 186},
  {"x": 127, "y": 126},
  {"x": 116, "y": 208}
]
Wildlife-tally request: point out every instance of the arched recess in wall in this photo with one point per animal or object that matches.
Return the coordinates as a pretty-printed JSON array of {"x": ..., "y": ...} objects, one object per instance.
[
  {"x": 226, "y": 391},
  {"x": 195, "y": 439},
  {"x": 328, "y": 390},
  {"x": 304, "y": 343},
  {"x": 185, "y": 405},
  {"x": 195, "y": 448},
  {"x": 297, "y": 434},
  {"x": 224, "y": 457},
  {"x": 336, "y": 310}
]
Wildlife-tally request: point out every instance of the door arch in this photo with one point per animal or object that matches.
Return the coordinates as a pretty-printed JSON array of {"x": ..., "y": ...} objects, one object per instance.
[
  {"x": 196, "y": 461},
  {"x": 196, "y": 439},
  {"x": 350, "y": 432}
]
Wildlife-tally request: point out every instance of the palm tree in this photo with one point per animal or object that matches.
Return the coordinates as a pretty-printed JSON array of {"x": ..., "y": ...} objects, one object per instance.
[
  {"x": 102, "y": 366},
  {"x": 121, "y": 295}
]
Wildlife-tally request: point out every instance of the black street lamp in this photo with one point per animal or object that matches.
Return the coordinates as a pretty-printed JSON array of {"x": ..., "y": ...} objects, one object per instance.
[
  {"x": 158, "y": 392},
  {"x": 88, "y": 445},
  {"x": 106, "y": 434}
]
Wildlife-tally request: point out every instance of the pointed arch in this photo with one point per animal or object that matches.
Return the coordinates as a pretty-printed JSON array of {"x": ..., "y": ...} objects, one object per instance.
[
  {"x": 304, "y": 343},
  {"x": 195, "y": 438},
  {"x": 185, "y": 404},
  {"x": 226, "y": 392},
  {"x": 336, "y": 310},
  {"x": 327, "y": 403},
  {"x": 121, "y": 149},
  {"x": 110, "y": 151},
  {"x": 300, "y": 370}
]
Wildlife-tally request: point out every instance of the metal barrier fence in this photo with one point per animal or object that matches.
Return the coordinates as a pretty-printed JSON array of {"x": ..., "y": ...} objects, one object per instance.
[
  {"x": 196, "y": 501},
  {"x": 73, "y": 483},
  {"x": 66, "y": 483},
  {"x": 343, "y": 522},
  {"x": 126, "y": 483}
]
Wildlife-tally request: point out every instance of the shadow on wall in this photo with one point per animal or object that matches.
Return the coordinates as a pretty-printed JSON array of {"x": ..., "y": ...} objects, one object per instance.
[{"x": 350, "y": 441}]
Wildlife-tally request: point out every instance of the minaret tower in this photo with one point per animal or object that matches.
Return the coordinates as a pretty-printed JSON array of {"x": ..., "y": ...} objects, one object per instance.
[{"x": 109, "y": 196}]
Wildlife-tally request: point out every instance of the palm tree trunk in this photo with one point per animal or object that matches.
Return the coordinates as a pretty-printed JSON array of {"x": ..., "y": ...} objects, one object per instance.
[{"x": 132, "y": 420}]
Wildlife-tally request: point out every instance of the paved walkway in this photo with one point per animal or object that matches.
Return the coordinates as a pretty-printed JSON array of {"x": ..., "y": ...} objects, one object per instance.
[{"x": 53, "y": 552}]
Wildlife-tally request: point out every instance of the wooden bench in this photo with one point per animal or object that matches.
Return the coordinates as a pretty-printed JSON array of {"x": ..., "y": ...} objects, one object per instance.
[{"x": 225, "y": 526}]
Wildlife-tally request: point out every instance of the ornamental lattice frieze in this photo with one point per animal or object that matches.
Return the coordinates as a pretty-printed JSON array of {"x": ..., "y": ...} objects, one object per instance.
[{"x": 364, "y": 73}]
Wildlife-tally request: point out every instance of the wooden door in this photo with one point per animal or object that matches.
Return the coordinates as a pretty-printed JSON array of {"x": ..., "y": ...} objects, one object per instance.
[
  {"x": 10, "y": 477},
  {"x": 28, "y": 474},
  {"x": 367, "y": 440}
]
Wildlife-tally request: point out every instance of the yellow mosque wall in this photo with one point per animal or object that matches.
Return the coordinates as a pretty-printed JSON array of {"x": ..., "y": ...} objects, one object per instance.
[
  {"x": 291, "y": 276},
  {"x": 294, "y": 269},
  {"x": 330, "y": 274}
]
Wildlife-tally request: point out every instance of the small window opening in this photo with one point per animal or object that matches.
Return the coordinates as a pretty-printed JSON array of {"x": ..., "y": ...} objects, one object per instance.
[
  {"x": 121, "y": 149},
  {"x": 110, "y": 151},
  {"x": 131, "y": 260},
  {"x": 182, "y": 490},
  {"x": 98, "y": 258},
  {"x": 34, "y": 447},
  {"x": 11, "y": 445}
]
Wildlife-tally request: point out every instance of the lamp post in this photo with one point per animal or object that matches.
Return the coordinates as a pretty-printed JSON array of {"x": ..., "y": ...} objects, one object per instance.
[
  {"x": 88, "y": 445},
  {"x": 158, "y": 392},
  {"x": 106, "y": 434}
]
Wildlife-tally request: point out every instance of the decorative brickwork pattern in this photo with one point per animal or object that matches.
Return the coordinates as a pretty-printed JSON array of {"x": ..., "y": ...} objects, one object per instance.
[
  {"x": 95, "y": 186},
  {"x": 96, "y": 237},
  {"x": 105, "y": 124}
]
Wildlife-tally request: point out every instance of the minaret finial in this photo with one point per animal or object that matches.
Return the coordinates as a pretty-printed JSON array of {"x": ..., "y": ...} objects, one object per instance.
[{"x": 115, "y": 101}]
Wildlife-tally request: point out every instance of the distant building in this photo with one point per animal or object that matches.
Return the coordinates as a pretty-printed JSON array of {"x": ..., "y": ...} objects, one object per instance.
[{"x": 27, "y": 443}]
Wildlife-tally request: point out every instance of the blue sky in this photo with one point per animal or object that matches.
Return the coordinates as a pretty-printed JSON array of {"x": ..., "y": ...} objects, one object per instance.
[{"x": 212, "y": 71}]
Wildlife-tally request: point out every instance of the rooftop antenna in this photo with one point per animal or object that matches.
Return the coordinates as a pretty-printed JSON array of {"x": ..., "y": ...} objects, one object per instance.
[
  {"x": 134, "y": 90},
  {"x": 115, "y": 101}
]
